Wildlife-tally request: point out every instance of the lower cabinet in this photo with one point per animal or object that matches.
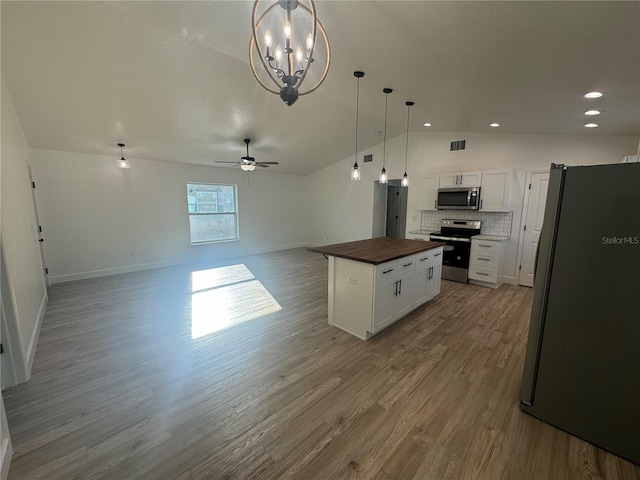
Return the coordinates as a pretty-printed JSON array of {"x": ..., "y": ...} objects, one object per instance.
[
  {"x": 485, "y": 263},
  {"x": 364, "y": 299},
  {"x": 427, "y": 278}
]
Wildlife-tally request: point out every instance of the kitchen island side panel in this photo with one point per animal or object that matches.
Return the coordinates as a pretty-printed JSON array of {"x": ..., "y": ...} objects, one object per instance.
[{"x": 352, "y": 290}]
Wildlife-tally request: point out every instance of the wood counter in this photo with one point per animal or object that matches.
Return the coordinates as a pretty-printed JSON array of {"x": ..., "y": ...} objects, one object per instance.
[{"x": 376, "y": 250}]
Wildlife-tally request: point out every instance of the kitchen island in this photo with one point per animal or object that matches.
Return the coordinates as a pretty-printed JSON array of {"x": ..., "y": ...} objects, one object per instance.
[{"x": 375, "y": 282}]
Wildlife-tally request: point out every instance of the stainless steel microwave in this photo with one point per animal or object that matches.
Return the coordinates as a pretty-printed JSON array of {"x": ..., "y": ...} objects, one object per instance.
[{"x": 458, "y": 198}]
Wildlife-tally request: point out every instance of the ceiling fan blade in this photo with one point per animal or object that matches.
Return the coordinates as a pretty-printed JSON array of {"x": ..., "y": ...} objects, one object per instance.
[
  {"x": 261, "y": 165},
  {"x": 222, "y": 161},
  {"x": 268, "y": 163}
]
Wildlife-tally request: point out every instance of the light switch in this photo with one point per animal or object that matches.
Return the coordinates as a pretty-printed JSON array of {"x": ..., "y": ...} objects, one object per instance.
[{"x": 352, "y": 280}]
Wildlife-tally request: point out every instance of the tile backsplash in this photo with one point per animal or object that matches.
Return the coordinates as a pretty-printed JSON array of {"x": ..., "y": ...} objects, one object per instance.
[{"x": 493, "y": 223}]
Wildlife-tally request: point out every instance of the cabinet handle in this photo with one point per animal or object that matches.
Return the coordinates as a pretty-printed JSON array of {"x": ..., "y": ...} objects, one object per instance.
[
  {"x": 423, "y": 259},
  {"x": 485, "y": 259},
  {"x": 481, "y": 273},
  {"x": 387, "y": 271},
  {"x": 437, "y": 254},
  {"x": 486, "y": 246},
  {"x": 395, "y": 291},
  {"x": 407, "y": 264},
  {"x": 480, "y": 204},
  {"x": 400, "y": 287},
  {"x": 457, "y": 179}
]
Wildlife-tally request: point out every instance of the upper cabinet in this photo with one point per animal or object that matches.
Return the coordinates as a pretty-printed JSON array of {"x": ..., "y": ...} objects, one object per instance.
[
  {"x": 495, "y": 190},
  {"x": 427, "y": 191},
  {"x": 461, "y": 179}
]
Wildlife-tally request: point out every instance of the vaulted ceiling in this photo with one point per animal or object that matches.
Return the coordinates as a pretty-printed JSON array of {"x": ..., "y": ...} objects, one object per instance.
[{"x": 172, "y": 79}]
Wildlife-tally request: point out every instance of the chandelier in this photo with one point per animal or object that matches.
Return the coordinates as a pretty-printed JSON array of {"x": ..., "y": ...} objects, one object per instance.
[{"x": 290, "y": 55}]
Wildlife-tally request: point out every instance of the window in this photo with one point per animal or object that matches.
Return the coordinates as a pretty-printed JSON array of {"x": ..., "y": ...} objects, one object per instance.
[{"x": 213, "y": 214}]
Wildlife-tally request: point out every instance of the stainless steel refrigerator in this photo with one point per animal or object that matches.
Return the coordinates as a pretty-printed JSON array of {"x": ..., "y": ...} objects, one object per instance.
[{"x": 582, "y": 364}]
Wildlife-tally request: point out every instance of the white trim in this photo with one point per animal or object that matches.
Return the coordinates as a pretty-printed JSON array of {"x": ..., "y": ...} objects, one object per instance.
[
  {"x": 6, "y": 449},
  {"x": 523, "y": 219},
  {"x": 33, "y": 342},
  {"x": 70, "y": 277},
  {"x": 509, "y": 279}
]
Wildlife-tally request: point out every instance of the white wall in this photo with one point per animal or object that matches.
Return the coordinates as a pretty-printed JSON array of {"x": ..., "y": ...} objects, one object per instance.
[
  {"x": 99, "y": 219},
  {"x": 343, "y": 209},
  {"x": 25, "y": 276}
]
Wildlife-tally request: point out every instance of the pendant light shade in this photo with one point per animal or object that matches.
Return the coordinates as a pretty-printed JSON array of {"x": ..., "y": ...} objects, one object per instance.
[
  {"x": 405, "y": 177},
  {"x": 383, "y": 173},
  {"x": 355, "y": 171},
  {"x": 123, "y": 162}
]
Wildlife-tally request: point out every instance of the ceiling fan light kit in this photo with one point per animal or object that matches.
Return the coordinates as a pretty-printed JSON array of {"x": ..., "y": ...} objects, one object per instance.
[
  {"x": 248, "y": 163},
  {"x": 284, "y": 68}
]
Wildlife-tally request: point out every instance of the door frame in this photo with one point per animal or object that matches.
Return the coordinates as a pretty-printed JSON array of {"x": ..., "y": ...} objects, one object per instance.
[{"x": 523, "y": 218}]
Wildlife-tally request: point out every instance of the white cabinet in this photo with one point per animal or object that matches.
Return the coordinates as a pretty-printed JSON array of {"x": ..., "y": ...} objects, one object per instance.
[
  {"x": 495, "y": 190},
  {"x": 366, "y": 298},
  {"x": 427, "y": 191},
  {"x": 485, "y": 263},
  {"x": 461, "y": 179},
  {"x": 426, "y": 284}
]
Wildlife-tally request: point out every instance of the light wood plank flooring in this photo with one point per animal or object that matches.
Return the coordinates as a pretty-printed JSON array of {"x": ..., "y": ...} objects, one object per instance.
[{"x": 120, "y": 390}]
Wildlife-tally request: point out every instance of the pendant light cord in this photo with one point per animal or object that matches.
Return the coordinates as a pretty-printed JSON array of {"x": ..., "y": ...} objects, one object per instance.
[
  {"x": 406, "y": 146},
  {"x": 357, "y": 104},
  {"x": 384, "y": 138}
]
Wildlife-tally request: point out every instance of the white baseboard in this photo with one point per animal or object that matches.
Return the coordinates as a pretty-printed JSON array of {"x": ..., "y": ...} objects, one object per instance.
[
  {"x": 33, "y": 341},
  {"x": 71, "y": 277},
  {"x": 509, "y": 279}
]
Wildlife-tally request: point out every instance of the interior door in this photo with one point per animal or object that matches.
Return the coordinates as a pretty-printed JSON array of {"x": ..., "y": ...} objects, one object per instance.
[
  {"x": 533, "y": 213},
  {"x": 396, "y": 211}
]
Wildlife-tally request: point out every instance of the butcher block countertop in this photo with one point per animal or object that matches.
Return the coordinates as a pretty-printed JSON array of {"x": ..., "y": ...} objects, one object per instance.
[{"x": 376, "y": 250}]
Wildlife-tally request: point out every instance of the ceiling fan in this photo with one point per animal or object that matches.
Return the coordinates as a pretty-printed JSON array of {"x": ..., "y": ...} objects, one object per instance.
[{"x": 249, "y": 163}]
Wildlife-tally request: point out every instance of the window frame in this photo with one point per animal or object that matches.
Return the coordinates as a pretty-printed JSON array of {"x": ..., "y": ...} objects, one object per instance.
[{"x": 199, "y": 214}]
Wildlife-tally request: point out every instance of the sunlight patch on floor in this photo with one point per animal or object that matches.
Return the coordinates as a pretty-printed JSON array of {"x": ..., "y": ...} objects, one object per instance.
[{"x": 226, "y": 296}]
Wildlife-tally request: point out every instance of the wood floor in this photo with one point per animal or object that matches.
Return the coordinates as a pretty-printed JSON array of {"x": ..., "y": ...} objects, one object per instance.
[{"x": 120, "y": 390}]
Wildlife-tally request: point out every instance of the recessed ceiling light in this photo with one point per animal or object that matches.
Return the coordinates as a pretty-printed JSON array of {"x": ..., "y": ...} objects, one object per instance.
[
  {"x": 593, "y": 94},
  {"x": 591, "y": 125},
  {"x": 494, "y": 125},
  {"x": 592, "y": 112},
  {"x": 427, "y": 124}
]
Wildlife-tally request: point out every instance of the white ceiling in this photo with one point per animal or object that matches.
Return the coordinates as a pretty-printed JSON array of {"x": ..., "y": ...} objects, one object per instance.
[{"x": 171, "y": 79}]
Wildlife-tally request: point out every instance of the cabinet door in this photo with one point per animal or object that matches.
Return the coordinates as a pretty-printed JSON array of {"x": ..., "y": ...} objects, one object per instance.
[
  {"x": 427, "y": 192},
  {"x": 495, "y": 190},
  {"x": 420, "y": 281},
  {"x": 470, "y": 179},
  {"x": 385, "y": 307},
  {"x": 404, "y": 299},
  {"x": 433, "y": 283},
  {"x": 449, "y": 180}
]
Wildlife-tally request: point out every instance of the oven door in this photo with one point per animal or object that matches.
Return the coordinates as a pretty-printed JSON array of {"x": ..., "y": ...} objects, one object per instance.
[{"x": 455, "y": 261}]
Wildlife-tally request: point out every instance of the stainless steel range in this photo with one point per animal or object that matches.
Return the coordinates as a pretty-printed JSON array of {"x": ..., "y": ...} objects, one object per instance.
[{"x": 457, "y": 251}]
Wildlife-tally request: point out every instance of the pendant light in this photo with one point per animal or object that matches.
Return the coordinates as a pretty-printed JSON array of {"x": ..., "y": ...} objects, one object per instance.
[
  {"x": 355, "y": 172},
  {"x": 123, "y": 162},
  {"x": 383, "y": 173},
  {"x": 282, "y": 68},
  {"x": 405, "y": 178}
]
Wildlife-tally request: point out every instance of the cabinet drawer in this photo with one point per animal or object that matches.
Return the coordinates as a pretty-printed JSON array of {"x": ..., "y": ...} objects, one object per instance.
[
  {"x": 485, "y": 274},
  {"x": 484, "y": 259},
  {"x": 478, "y": 246},
  {"x": 406, "y": 264},
  {"x": 423, "y": 260},
  {"x": 386, "y": 270}
]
